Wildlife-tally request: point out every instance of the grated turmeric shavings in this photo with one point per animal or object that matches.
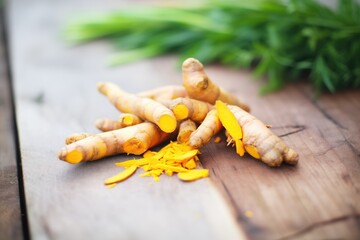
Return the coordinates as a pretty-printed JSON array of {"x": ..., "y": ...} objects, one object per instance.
[{"x": 173, "y": 158}]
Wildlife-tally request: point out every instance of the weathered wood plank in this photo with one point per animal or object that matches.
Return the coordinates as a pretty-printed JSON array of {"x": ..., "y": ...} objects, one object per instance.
[
  {"x": 10, "y": 213},
  {"x": 55, "y": 91},
  {"x": 319, "y": 198}
]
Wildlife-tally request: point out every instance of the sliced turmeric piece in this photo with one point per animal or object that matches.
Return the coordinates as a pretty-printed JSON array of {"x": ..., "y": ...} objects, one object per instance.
[
  {"x": 191, "y": 164},
  {"x": 230, "y": 123},
  {"x": 252, "y": 151},
  {"x": 192, "y": 175},
  {"x": 121, "y": 176}
]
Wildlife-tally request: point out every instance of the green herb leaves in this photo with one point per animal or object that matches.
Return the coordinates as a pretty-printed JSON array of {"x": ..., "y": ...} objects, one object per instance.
[{"x": 283, "y": 40}]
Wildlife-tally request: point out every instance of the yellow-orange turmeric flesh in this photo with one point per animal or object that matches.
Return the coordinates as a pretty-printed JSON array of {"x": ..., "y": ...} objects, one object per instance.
[
  {"x": 173, "y": 158},
  {"x": 230, "y": 123},
  {"x": 134, "y": 140},
  {"x": 146, "y": 108}
]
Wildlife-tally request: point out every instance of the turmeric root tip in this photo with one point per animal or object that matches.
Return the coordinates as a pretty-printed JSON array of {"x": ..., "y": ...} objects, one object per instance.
[{"x": 145, "y": 108}]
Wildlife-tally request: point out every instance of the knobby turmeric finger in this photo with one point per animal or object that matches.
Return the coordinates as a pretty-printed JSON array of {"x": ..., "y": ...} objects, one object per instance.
[
  {"x": 193, "y": 109},
  {"x": 164, "y": 93},
  {"x": 76, "y": 137},
  {"x": 106, "y": 124},
  {"x": 146, "y": 108},
  {"x": 260, "y": 142},
  {"x": 199, "y": 86},
  {"x": 134, "y": 139},
  {"x": 207, "y": 129}
]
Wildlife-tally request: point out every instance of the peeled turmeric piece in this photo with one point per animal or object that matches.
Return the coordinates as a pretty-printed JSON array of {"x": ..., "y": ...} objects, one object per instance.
[
  {"x": 134, "y": 139},
  {"x": 199, "y": 86},
  {"x": 206, "y": 130},
  {"x": 164, "y": 93},
  {"x": 145, "y": 108},
  {"x": 260, "y": 142},
  {"x": 186, "y": 128}
]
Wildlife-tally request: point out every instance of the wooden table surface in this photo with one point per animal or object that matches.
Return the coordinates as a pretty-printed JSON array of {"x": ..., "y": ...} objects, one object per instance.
[{"x": 54, "y": 94}]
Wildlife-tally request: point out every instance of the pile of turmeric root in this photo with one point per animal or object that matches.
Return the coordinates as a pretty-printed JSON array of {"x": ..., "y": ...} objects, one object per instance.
[{"x": 187, "y": 115}]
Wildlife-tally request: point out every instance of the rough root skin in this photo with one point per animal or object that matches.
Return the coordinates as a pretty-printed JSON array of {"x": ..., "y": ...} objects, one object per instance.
[
  {"x": 164, "y": 93},
  {"x": 145, "y": 108},
  {"x": 193, "y": 109},
  {"x": 146, "y": 135},
  {"x": 186, "y": 128},
  {"x": 271, "y": 149},
  {"x": 199, "y": 86},
  {"x": 206, "y": 130},
  {"x": 76, "y": 137}
]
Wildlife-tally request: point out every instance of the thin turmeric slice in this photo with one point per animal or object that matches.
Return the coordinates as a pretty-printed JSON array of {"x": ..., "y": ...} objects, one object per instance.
[
  {"x": 193, "y": 175},
  {"x": 121, "y": 176},
  {"x": 231, "y": 124}
]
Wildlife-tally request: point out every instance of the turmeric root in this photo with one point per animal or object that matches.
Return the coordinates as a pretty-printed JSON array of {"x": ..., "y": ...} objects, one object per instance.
[
  {"x": 260, "y": 142},
  {"x": 145, "y": 108},
  {"x": 206, "y": 130},
  {"x": 76, "y": 137},
  {"x": 185, "y": 129},
  {"x": 164, "y": 93},
  {"x": 194, "y": 109},
  {"x": 105, "y": 124},
  {"x": 125, "y": 120},
  {"x": 199, "y": 86},
  {"x": 134, "y": 139}
]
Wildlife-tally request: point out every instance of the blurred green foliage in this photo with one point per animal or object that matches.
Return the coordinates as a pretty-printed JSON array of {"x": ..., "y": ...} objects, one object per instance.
[{"x": 282, "y": 40}]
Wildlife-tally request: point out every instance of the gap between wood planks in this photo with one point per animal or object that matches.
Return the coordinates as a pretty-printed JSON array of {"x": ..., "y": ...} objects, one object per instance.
[{"x": 15, "y": 230}]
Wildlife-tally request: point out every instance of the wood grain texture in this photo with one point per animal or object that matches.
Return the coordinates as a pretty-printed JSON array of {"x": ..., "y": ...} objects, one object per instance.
[
  {"x": 56, "y": 96},
  {"x": 10, "y": 214},
  {"x": 317, "y": 199},
  {"x": 55, "y": 91}
]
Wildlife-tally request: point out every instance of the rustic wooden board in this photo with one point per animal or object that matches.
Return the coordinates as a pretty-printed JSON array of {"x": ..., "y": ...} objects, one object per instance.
[
  {"x": 55, "y": 90},
  {"x": 319, "y": 198},
  {"x": 55, "y": 96},
  {"x": 10, "y": 214}
]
